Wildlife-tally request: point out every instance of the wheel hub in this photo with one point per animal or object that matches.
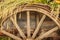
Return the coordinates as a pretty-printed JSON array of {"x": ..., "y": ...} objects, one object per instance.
[{"x": 29, "y": 39}]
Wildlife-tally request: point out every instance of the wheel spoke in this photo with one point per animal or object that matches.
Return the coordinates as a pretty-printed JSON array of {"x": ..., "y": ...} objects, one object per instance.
[
  {"x": 18, "y": 28},
  {"x": 10, "y": 35},
  {"x": 28, "y": 24},
  {"x": 37, "y": 19},
  {"x": 47, "y": 33},
  {"x": 38, "y": 26}
]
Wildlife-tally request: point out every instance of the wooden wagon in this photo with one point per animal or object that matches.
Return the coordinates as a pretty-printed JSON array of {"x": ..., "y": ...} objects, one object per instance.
[{"x": 30, "y": 22}]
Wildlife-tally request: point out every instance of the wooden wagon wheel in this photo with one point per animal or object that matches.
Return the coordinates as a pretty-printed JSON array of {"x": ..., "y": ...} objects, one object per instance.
[{"x": 26, "y": 33}]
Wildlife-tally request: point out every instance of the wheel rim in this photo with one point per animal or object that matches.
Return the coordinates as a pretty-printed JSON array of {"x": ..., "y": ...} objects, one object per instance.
[{"x": 13, "y": 19}]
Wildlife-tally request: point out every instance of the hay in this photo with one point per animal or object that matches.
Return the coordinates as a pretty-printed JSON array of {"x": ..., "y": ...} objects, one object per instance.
[{"x": 7, "y": 6}]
